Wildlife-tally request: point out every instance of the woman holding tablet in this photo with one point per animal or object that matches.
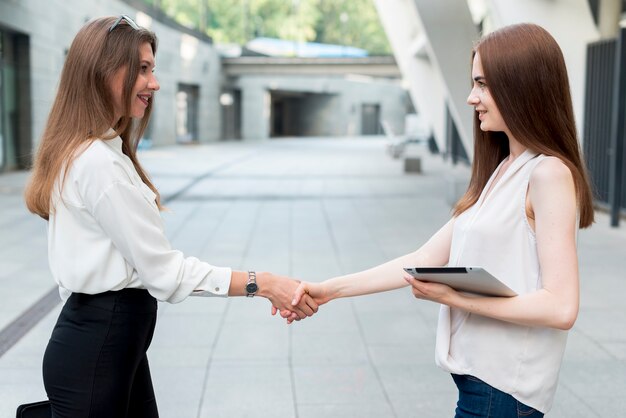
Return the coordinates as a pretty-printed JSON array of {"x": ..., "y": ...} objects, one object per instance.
[{"x": 528, "y": 195}]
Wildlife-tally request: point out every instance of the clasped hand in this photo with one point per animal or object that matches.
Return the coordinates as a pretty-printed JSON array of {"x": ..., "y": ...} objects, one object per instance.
[
  {"x": 281, "y": 291},
  {"x": 307, "y": 294}
]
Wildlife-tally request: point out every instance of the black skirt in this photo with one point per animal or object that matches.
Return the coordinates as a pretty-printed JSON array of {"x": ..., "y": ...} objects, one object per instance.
[{"x": 95, "y": 364}]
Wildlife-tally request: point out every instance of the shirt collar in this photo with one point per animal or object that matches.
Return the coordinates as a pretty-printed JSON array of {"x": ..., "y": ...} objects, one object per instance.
[{"x": 116, "y": 142}]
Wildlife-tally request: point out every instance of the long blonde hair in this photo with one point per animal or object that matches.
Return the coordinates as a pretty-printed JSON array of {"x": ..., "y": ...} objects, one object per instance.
[
  {"x": 83, "y": 109},
  {"x": 527, "y": 77}
]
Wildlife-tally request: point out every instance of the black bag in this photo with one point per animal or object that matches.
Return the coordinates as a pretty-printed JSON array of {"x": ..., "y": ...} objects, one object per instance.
[{"x": 40, "y": 409}]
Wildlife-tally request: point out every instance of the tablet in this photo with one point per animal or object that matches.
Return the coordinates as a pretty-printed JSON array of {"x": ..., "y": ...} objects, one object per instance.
[{"x": 466, "y": 279}]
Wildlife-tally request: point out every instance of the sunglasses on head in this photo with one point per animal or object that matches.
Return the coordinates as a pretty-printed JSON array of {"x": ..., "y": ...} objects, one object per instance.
[{"x": 128, "y": 20}]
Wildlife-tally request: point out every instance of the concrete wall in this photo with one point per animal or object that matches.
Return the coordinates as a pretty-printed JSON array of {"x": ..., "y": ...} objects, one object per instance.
[
  {"x": 51, "y": 26},
  {"x": 339, "y": 116}
]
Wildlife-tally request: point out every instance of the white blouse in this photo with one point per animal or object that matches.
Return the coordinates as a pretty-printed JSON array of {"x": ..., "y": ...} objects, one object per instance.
[
  {"x": 523, "y": 361},
  {"x": 106, "y": 233}
]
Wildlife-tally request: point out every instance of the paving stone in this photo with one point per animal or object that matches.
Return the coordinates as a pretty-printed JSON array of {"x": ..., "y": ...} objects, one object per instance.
[{"x": 313, "y": 208}]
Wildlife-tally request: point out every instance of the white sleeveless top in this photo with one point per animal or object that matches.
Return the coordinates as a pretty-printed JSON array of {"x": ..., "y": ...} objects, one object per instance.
[{"x": 520, "y": 360}]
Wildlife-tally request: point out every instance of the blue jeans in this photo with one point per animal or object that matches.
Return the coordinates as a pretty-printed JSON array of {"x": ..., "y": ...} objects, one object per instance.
[{"x": 478, "y": 399}]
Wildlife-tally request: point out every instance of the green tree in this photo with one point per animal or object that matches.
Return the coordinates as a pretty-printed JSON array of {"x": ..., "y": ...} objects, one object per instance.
[
  {"x": 352, "y": 23},
  {"x": 185, "y": 12},
  {"x": 346, "y": 22}
]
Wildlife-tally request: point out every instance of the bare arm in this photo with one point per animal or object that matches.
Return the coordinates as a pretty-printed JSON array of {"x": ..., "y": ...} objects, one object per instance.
[
  {"x": 277, "y": 289},
  {"x": 552, "y": 198},
  {"x": 387, "y": 276}
]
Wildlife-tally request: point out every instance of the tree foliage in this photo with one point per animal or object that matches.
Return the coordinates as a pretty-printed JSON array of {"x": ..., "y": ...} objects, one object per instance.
[{"x": 345, "y": 22}]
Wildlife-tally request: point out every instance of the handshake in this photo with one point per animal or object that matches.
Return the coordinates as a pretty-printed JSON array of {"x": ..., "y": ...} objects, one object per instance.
[
  {"x": 292, "y": 299},
  {"x": 295, "y": 300}
]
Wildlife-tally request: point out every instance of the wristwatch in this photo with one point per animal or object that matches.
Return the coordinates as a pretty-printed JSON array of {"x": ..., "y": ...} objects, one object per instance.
[{"x": 251, "y": 286}]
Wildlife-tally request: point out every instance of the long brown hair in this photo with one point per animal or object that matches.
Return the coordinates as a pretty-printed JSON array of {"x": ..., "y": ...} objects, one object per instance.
[
  {"x": 83, "y": 109},
  {"x": 527, "y": 78}
]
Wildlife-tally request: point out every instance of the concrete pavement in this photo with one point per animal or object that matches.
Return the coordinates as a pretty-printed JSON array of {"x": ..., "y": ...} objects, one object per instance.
[{"x": 311, "y": 208}]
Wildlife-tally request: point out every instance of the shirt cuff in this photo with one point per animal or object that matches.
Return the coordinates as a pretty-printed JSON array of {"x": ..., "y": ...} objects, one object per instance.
[{"x": 216, "y": 283}]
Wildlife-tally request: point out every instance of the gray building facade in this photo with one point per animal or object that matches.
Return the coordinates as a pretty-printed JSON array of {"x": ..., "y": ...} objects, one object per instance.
[
  {"x": 34, "y": 38},
  {"x": 279, "y": 97},
  {"x": 203, "y": 98}
]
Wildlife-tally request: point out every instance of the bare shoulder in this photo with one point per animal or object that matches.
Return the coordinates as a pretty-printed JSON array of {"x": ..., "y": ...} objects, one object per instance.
[
  {"x": 551, "y": 188},
  {"x": 551, "y": 171}
]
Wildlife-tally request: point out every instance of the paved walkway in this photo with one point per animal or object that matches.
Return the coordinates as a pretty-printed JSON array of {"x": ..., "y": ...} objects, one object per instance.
[{"x": 311, "y": 208}]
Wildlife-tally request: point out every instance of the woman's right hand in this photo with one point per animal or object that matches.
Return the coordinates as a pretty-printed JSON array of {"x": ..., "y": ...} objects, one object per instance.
[
  {"x": 305, "y": 290},
  {"x": 316, "y": 291}
]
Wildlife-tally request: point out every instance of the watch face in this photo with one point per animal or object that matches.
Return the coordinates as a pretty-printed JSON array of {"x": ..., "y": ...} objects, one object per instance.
[{"x": 252, "y": 288}]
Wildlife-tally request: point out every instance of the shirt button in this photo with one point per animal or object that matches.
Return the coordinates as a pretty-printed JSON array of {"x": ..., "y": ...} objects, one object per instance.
[{"x": 217, "y": 289}]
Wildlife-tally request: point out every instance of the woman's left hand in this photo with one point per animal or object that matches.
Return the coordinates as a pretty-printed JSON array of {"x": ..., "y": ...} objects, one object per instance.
[{"x": 435, "y": 292}]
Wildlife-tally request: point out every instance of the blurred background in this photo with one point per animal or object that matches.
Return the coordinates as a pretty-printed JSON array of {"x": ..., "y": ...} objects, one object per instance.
[{"x": 265, "y": 69}]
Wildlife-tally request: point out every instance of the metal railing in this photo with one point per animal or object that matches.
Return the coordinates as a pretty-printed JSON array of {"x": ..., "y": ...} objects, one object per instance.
[
  {"x": 454, "y": 146},
  {"x": 605, "y": 100}
]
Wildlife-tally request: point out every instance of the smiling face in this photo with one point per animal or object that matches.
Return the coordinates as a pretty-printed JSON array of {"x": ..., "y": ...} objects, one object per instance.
[
  {"x": 482, "y": 101},
  {"x": 145, "y": 85}
]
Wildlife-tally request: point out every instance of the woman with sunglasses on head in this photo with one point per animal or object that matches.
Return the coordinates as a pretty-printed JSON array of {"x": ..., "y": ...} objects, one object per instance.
[
  {"x": 527, "y": 196},
  {"x": 107, "y": 247}
]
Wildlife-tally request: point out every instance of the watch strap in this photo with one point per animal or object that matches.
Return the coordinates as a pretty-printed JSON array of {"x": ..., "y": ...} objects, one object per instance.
[{"x": 251, "y": 280}]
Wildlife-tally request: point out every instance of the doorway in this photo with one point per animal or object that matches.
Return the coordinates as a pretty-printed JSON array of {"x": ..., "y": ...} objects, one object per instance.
[
  {"x": 370, "y": 119},
  {"x": 230, "y": 102},
  {"x": 15, "y": 120},
  {"x": 2, "y": 116},
  {"x": 301, "y": 114},
  {"x": 187, "y": 113}
]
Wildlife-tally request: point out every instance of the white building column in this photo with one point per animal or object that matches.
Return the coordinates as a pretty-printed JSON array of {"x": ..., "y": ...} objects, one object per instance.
[
  {"x": 408, "y": 42},
  {"x": 255, "y": 112},
  {"x": 432, "y": 42},
  {"x": 450, "y": 32}
]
